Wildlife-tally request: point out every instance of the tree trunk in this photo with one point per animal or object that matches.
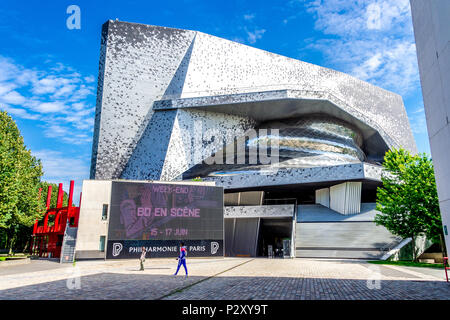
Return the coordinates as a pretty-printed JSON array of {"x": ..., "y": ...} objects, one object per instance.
[
  {"x": 443, "y": 247},
  {"x": 414, "y": 248},
  {"x": 26, "y": 246},
  {"x": 6, "y": 240},
  {"x": 11, "y": 245}
]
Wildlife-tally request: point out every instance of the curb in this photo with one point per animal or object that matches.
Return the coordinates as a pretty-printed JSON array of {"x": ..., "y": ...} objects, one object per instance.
[{"x": 14, "y": 262}]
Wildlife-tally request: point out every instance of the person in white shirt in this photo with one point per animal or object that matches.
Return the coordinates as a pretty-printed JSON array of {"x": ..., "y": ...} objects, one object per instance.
[{"x": 142, "y": 258}]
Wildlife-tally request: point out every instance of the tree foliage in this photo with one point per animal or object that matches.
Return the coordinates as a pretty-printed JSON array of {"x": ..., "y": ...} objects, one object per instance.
[
  {"x": 20, "y": 175},
  {"x": 44, "y": 185},
  {"x": 408, "y": 200}
]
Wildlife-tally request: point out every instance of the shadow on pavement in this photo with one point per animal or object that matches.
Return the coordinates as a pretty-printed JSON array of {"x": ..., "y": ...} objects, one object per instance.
[{"x": 113, "y": 286}]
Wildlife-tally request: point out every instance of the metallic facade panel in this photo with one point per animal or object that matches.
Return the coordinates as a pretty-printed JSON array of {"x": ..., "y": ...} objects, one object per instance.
[{"x": 164, "y": 94}]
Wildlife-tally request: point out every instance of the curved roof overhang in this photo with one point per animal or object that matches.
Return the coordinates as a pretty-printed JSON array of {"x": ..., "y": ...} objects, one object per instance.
[{"x": 284, "y": 104}]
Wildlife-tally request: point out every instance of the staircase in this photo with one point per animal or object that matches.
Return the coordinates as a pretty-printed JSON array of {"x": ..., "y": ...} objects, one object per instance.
[
  {"x": 68, "y": 247},
  {"x": 324, "y": 233}
]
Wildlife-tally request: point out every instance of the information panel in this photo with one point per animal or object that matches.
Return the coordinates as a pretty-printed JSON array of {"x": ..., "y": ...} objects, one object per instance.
[{"x": 158, "y": 216}]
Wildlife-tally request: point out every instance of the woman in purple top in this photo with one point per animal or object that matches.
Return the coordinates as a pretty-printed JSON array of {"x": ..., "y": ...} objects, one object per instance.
[{"x": 182, "y": 259}]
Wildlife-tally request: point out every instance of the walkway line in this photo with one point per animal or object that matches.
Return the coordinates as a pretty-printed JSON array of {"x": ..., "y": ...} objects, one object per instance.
[{"x": 207, "y": 278}]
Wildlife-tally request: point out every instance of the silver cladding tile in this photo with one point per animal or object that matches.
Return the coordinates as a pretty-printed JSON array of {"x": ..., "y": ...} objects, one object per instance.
[
  {"x": 271, "y": 211},
  {"x": 145, "y": 70},
  {"x": 138, "y": 63},
  {"x": 358, "y": 171}
]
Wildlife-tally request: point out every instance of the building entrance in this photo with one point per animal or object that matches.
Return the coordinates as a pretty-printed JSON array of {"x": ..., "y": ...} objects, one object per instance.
[{"x": 275, "y": 235}]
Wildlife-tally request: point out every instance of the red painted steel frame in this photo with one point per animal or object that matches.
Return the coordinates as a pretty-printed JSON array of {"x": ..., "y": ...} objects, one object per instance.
[
  {"x": 47, "y": 240},
  {"x": 446, "y": 267}
]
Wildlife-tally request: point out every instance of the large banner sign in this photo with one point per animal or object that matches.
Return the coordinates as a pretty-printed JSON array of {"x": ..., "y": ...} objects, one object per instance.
[
  {"x": 158, "y": 216},
  {"x": 129, "y": 249}
]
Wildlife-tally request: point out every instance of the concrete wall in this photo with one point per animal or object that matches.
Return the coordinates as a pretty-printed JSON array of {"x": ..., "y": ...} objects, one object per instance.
[
  {"x": 91, "y": 226},
  {"x": 345, "y": 198},
  {"x": 404, "y": 250},
  {"x": 431, "y": 20},
  {"x": 323, "y": 197}
]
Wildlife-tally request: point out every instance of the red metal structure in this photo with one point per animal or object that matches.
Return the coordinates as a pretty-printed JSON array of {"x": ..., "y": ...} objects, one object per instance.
[
  {"x": 446, "y": 267},
  {"x": 47, "y": 238}
]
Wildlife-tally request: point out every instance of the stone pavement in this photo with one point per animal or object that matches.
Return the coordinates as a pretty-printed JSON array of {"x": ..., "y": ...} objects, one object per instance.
[
  {"x": 110, "y": 280},
  {"x": 305, "y": 279},
  {"x": 227, "y": 278}
]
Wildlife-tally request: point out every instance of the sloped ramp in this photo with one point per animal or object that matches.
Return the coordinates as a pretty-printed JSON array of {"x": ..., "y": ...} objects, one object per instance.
[{"x": 323, "y": 233}]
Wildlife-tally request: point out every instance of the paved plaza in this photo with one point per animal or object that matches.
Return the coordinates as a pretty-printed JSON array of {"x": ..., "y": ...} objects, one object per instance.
[{"x": 227, "y": 278}]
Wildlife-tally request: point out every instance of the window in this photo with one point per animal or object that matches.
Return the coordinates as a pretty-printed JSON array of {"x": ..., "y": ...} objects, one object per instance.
[
  {"x": 102, "y": 243},
  {"x": 105, "y": 212}
]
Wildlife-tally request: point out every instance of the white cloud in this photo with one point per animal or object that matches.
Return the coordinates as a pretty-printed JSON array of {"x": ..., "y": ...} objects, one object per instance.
[
  {"x": 6, "y": 87},
  {"x": 249, "y": 16},
  {"x": 419, "y": 110},
  {"x": 51, "y": 84},
  {"x": 82, "y": 93},
  {"x": 418, "y": 124},
  {"x": 66, "y": 134},
  {"x": 371, "y": 39},
  {"x": 253, "y": 36},
  {"x": 12, "y": 97},
  {"x": 59, "y": 98},
  {"x": 61, "y": 168},
  {"x": 7, "y": 69},
  {"x": 64, "y": 91},
  {"x": 89, "y": 79},
  {"x": 55, "y": 131},
  {"x": 26, "y": 76},
  {"x": 22, "y": 113},
  {"x": 49, "y": 107},
  {"x": 251, "y": 32},
  {"x": 78, "y": 106}
]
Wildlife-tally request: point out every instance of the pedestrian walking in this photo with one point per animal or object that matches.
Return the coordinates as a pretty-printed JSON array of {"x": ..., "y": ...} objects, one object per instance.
[
  {"x": 142, "y": 258},
  {"x": 182, "y": 259}
]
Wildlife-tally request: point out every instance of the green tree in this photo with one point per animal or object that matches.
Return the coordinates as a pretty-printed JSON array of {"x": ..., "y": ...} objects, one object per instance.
[
  {"x": 44, "y": 185},
  {"x": 408, "y": 201},
  {"x": 20, "y": 174}
]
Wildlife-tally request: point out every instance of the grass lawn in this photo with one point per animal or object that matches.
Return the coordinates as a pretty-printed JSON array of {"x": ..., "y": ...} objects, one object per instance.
[
  {"x": 410, "y": 264},
  {"x": 17, "y": 256}
]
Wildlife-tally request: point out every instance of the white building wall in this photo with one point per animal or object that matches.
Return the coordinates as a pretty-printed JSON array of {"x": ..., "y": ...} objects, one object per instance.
[
  {"x": 323, "y": 197},
  {"x": 353, "y": 198},
  {"x": 431, "y": 20},
  {"x": 337, "y": 198},
  {"x": 95, "y": 193},
  {"x": 345, "y": 198}
]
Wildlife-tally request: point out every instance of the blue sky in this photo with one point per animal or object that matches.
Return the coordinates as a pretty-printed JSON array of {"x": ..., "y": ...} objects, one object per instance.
[{"x": 48, "y": 73}]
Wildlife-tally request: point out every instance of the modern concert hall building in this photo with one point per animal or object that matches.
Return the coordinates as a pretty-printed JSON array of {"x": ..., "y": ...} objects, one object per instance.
[{"x": 297, "y": 148}]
